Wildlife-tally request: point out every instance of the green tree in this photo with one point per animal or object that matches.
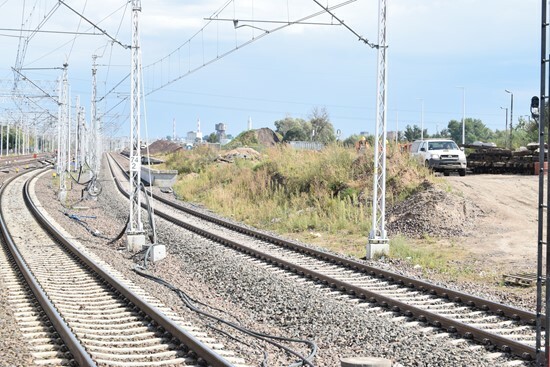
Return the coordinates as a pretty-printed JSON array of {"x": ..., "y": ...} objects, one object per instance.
[
  {"x": 212, "y": 138},
  {"x": 322, "y": 129},
  {"x": 288, "y": 123},
  {"x": 474, "y": 128},
  {"x": 526, "y": 131},
  {"x": 295, "y": 133},
  {"x": 414, "y": 133}
]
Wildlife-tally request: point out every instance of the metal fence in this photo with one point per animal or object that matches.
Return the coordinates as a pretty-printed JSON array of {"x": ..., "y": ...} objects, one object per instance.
[{"x": 307, "y": 145}]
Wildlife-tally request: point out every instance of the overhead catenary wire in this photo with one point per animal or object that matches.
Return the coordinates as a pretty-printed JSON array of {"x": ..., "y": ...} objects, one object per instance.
[
  {"x": 222, "y": 55},
  {"x": 109, "y": 16},
  {"x": 77, "y": 29},
  {"x": 361, "y": 38},
  {"x": 48, "y": 31},
  {"x": 96, "y": 26}
]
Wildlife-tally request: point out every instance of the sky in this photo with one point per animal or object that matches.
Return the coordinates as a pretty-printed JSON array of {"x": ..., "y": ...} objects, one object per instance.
[{"x": 220, "y": 71}]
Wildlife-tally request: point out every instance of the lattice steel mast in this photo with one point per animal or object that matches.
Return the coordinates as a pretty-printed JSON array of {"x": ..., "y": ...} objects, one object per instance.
[
  {"x": 135, "y": 231},
  {"x": 378, "y": 240},
  {"x": 94, "y": 153},
  {"x": 62, "y": 138}
]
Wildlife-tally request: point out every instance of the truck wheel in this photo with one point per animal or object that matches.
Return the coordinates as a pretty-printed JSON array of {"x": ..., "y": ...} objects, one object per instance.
[
  {"x": 446, "y": 173},
  {"x": 462, "y": 172}
]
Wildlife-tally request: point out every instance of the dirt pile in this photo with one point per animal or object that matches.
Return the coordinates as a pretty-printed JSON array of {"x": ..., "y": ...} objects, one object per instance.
[
  {"x": 261, "y": 137},
  {"x": 240, "y": 153},
  {"x": 162, "y": 147},
  {"x": 267, "y": 137},
  {"x": 433, "y": 212}
]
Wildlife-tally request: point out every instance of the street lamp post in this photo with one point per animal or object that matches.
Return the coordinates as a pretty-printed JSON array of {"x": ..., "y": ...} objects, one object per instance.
[
  {"x": 511, "y": 113},
  {"x": 421, "y": 118},
  {"x": 505, "y": 126},
  {"x": 463, "y": 115}
]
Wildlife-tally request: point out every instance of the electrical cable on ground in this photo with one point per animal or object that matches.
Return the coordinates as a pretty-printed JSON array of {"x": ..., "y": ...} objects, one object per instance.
[
  {"x": 122, "y": 232},
  {"x": 271, "y": 339},
  {"x": 94, "y": 232}
]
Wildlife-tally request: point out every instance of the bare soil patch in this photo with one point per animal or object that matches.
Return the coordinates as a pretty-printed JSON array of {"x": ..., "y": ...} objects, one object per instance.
[
  {"x": 486, "y": 225},
  {"x": 492, "y": 218},
  {"x": 504, "y": 238}
]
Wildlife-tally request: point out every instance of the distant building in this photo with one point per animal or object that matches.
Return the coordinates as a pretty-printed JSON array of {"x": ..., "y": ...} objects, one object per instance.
[
  {"x": 194, "y": 136},
  {"x": 221, "y": 128}
]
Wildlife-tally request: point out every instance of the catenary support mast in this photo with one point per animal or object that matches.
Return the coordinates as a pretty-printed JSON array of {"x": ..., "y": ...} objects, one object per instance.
[
  {"x": 378, "y": 240},
  {"x": 135, "y": 233}
]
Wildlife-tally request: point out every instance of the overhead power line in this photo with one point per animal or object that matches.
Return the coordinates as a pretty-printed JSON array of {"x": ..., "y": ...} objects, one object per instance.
[
  {"x": 55, "y": 32},
  {"x": 176, "y": 52},
  {"x": 36, "y": 85},
  {"x": 361, "y": 38},
  {"x": 96, "y": 26}
]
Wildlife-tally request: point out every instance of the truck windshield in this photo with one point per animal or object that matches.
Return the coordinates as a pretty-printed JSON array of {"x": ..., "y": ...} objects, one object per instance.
[{"x": 440, "y": 145}]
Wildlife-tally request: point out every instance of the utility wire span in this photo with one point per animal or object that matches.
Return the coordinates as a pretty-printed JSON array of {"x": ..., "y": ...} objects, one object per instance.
[
  {"x": 33, "y": 83},
  {"x": 55, "y": 32},
  {"x": 361, "y": 38},
  {"x": 113, "y": 89},
  {"x": 235, "y": 21},
  {"x": 95, "y": 26},
  {"x": 220, "y": 56}
]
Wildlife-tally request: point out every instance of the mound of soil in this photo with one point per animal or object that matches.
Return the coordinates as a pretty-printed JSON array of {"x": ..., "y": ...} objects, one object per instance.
[
  {"x": 240, "y": 153},
  {"x": 162, "y": 147},
  {"x": 260, "y": 137},
  {"x": 433, "y": 212},
  {"x": 267, "y": 137}
]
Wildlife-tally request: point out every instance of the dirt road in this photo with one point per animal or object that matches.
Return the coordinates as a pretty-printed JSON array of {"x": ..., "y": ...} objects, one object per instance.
[{"x": 504, "y": 239}]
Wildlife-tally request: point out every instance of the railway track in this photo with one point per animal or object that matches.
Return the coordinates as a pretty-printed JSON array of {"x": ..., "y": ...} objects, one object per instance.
[
  {"x": 510, "y": 329},
  {"x": 78, "y": 310},
  {"x": 21, "y": 160}
]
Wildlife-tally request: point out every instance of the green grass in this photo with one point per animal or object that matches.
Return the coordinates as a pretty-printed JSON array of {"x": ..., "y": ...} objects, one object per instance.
[{"x": 322, "y": 197}]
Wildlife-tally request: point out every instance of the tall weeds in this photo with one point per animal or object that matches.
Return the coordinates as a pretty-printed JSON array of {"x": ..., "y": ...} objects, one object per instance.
[{"x": 293, "y": 191}]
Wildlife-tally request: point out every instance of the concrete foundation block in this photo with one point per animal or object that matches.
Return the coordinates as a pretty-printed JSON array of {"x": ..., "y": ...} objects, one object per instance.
[
  {"x": 377, "y": 248},
  {"x": 157, "y": 252},
  {"x": 365, "y": 362},
  {"x": 62, "y": 196},
  {"x": 135, "y": 241}
]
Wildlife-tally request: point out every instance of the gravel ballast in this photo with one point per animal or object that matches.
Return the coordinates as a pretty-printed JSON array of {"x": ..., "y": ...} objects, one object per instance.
[{"x": 267, "y": 301}]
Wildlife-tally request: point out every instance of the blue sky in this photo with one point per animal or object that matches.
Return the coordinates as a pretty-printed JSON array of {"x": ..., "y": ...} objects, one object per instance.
[{"x": 434, "y": 46}]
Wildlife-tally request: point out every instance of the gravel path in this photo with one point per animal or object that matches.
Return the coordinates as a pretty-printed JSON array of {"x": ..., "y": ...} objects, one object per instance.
[{"x": 266, "y": 301}]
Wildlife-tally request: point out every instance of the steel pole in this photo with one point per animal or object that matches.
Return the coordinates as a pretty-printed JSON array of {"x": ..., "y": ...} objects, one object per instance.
[
  {"x": 541, "y": 206},
  {"x": 463, "y": 116}
]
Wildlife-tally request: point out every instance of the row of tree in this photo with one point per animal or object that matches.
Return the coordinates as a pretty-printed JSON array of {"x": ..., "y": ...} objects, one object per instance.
[{"x": 319, "y": 128}]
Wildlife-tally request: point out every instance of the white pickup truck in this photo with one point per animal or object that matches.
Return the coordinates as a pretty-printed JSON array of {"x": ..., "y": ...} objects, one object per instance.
[{"x": 441, "y": 155}]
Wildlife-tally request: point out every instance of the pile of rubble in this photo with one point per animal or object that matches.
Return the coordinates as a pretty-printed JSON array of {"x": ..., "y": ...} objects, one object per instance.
[{"x": 433, "y": 212}]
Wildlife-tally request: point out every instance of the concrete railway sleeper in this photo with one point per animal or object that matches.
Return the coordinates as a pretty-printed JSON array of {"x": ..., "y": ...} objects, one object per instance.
[
  {"x": 487, "y": 322},
  {"x": 101, "y": 319}
]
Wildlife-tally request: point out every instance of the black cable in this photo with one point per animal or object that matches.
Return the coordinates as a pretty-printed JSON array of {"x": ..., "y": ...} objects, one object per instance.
[
  {"x": 119, "y": 236},
  {"x": 223, "y": 332},
  {"x": 84, "y": 224},
  {"x": 265, "y": 337}
]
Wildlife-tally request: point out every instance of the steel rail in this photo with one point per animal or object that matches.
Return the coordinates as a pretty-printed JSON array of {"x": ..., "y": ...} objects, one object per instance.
[
  {"x": 79, "y": 353},
  {"x": 202, "y": 351},
  {"x": 423, "y": 286},
  {"x": 468, "y": 332}
]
